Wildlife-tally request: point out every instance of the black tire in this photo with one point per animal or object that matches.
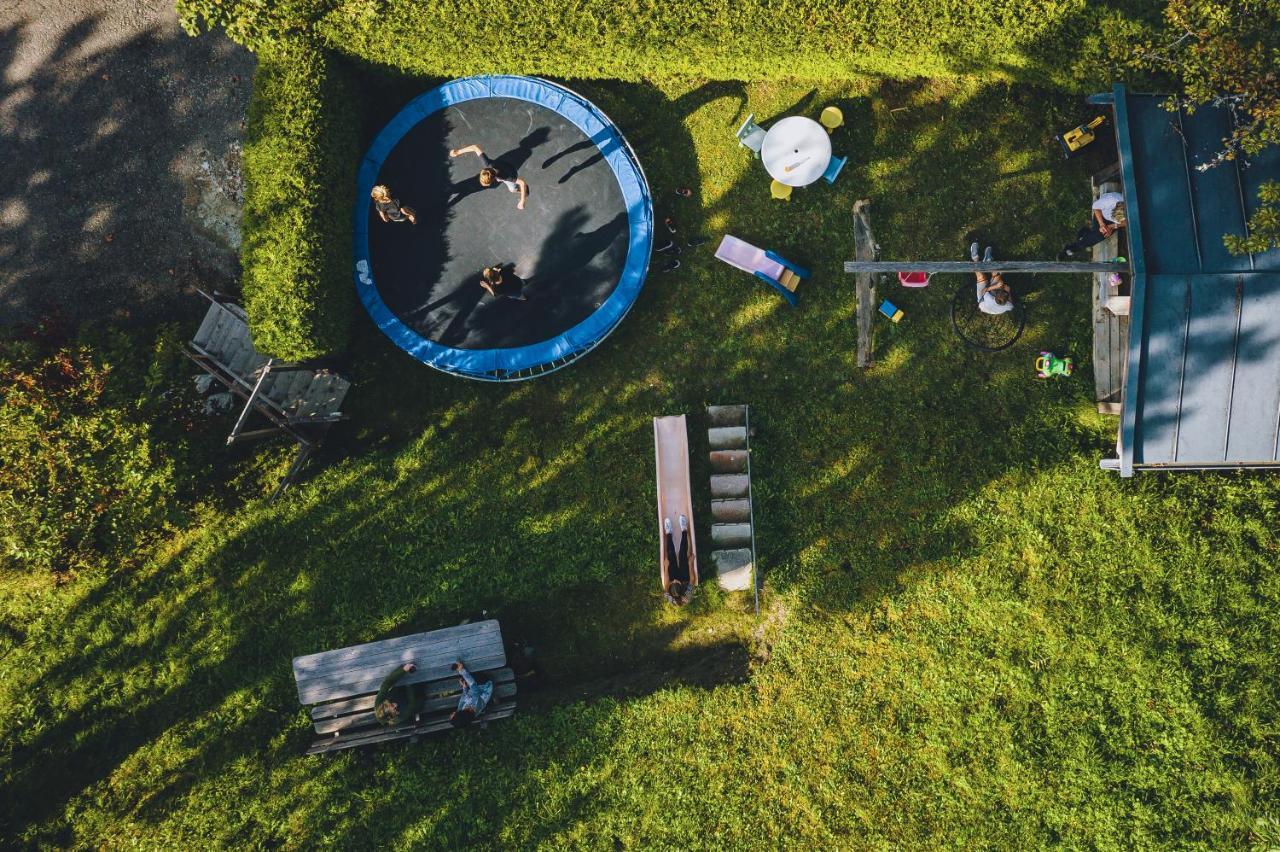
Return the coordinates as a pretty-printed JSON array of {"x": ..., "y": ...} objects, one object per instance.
[{"x": 988, "y": 332}]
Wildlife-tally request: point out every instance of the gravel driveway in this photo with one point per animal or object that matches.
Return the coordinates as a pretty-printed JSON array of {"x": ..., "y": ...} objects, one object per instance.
[{"x": 120, "y": 181}]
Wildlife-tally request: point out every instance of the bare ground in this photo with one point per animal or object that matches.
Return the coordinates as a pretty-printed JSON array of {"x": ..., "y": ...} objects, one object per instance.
[{"x": 120, "y": 182}]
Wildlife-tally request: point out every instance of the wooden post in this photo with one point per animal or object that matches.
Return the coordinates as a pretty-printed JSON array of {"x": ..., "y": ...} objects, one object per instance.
[
  {"x": 992, "y": 266},
  {"x": 865, "y": 249}
]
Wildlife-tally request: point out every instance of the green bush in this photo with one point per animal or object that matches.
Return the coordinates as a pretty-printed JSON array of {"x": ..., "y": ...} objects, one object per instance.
[
  {"x": 300, "y": 157},
  {"x": 256, "y": 24},
  {"x": 720, "y": 39},
  {"x": 81, "y": 477}
]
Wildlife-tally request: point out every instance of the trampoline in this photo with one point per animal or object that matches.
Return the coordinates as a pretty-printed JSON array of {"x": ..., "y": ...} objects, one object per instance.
[{"x": 578, "y": 253}]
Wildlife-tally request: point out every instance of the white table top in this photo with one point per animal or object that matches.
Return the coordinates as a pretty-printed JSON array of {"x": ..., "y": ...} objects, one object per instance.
[{"x": 796, "y": 151}]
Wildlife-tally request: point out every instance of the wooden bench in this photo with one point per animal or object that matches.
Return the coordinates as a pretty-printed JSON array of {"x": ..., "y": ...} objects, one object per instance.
[
  {"x": 340, "y": 686},
  {"x": 1110, "y": 311}
]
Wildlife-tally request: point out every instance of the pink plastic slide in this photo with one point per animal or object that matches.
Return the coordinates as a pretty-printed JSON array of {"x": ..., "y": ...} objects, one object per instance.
[{"x": 671, "y": 449}]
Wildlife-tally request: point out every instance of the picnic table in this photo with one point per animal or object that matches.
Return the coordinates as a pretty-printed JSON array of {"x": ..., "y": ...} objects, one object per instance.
[
  {"x": 796, "y": 151},
  {"x": 340, "y": 686}
]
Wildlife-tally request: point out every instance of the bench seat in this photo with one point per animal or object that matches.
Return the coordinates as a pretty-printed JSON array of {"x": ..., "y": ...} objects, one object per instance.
[
  {"x": 382, "y": 734},
  {"x": 341, "y": 685}
]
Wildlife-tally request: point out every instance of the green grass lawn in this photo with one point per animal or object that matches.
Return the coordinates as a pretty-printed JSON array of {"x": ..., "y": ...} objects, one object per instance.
[{"x": 970, "y": 635}]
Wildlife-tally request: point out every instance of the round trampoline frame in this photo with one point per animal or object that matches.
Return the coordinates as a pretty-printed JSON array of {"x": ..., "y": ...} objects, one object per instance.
[{"x": 522, "y": 362}]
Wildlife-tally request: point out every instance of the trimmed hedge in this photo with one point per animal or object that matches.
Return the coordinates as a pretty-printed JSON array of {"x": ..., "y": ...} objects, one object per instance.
[
  {"x": 256, "y": 24},
  {"x": 300, "y": 157},
  {"x": 1044, "y": 40}
]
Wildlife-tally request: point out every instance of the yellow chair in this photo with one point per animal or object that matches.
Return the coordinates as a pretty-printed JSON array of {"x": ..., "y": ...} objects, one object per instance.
[
  {"x": 831, "y": 118},
  {"x": 780, "y": 191}
]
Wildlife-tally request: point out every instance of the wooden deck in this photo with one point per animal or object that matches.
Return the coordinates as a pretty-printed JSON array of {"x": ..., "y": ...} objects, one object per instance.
[{"x": 1110, "y": 314}]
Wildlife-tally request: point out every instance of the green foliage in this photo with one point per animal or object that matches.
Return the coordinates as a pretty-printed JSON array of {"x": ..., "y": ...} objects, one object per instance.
[
  {"x": 1264, "y": 224},
  {"x": 718, "y": 39},
  {"x": 81, "y": 477},
  {"x": 256, "y": 24},
  {"x": 300, "y": 156}
]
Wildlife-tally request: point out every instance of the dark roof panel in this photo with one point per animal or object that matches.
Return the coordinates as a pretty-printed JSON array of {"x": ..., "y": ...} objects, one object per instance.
[
  {"x": 1203, "y": 380},
  {"x": 1255, "y": 408}
]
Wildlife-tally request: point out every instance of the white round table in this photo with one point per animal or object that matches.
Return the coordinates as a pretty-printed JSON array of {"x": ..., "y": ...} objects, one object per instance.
[{"x": 796, "y": 151}]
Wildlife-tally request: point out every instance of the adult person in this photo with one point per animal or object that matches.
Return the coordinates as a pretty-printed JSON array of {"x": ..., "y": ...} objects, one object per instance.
[
  {"x": 494, "y": 174},
  {"x": 1107, "y": 216},
  {"x": 501, "y": 286},
  {"x": 396, "y": 704},
  {"x": 677, "y": 561},
  {"x": 994, "y": 296},
  {"x": 389, "y": 209},
  {"x": 474, "y": 699}
]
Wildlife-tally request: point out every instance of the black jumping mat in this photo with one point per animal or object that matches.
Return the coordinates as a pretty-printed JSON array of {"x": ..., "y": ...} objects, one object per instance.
[{"x": 564, "y": 252}]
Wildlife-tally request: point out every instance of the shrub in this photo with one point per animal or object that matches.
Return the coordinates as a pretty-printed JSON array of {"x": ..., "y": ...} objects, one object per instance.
[
  {"x": 719, "y": 39},
  {"x": 300, "y": 157},
  {"x": 80, "y": 475},
  {"x": 256, "y": 24}
]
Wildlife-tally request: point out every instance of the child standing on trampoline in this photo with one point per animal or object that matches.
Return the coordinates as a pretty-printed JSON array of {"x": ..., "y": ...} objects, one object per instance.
[
  {"x": 492, "y": 175},
  {"x": 389, "y": 209},
  {"x": 501, "y": 287}
]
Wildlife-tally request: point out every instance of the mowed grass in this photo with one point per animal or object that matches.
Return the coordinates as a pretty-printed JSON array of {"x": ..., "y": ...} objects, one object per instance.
[{"x": 970, "y": 635}]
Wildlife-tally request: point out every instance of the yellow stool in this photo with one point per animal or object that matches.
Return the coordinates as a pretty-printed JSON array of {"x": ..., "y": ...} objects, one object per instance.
[
  {"x": 780, "y": 191},
  {"x": 831, "y": 118}
]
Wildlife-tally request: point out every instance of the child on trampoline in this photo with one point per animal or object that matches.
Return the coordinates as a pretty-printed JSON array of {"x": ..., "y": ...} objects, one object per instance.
[
  {"x": 677, "y": 561},
  {"x": 389, "y": 209},
  {"x": 994, "y": 296},
  {"x": 500, "y": 286},
  {"x": 492, "y": 175}
]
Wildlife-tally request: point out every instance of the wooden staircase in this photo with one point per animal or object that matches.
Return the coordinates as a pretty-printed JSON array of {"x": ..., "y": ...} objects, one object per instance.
[{"x": 732, "y": 517}]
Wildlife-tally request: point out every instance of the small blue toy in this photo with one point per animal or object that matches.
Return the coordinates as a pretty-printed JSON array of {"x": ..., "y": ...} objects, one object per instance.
[{"x": 890, "y": 310}]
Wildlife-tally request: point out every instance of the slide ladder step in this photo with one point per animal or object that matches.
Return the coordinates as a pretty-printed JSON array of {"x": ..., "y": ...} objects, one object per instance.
[
  {"x": 729, "y": 461},
  {"x": 727, "y": 415},
  {"x": 733, "y": 568},
  {"x": 731, "y": 535},
  {"x": 727, "y": 437},
  {"x": 730, "y": 485},
  {"x": 730, "y": 511}
]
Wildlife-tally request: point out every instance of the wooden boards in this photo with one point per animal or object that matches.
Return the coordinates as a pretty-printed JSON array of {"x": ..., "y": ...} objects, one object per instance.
[
  {"x": 359, "y": 669},
  {"x": 1110, "y": 328},
  {"x": 865, "y": 249}
]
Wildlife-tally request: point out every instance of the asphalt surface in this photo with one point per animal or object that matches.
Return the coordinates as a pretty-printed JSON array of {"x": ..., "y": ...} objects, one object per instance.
[{"x": 120, "y": 183}]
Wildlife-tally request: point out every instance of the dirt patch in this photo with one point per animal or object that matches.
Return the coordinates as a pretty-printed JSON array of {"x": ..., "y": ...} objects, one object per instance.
[{"x": 122, "y": 185}]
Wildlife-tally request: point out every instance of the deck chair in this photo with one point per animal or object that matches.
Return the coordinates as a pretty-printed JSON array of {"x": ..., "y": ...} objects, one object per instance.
[
  {"x": 675, "y": 497},
  {"x": 914, "y": 279},
  {"x": 782, "y": 275},
  {"x": 751, "y": 135},
  {"x": 833, "y": 169}
]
